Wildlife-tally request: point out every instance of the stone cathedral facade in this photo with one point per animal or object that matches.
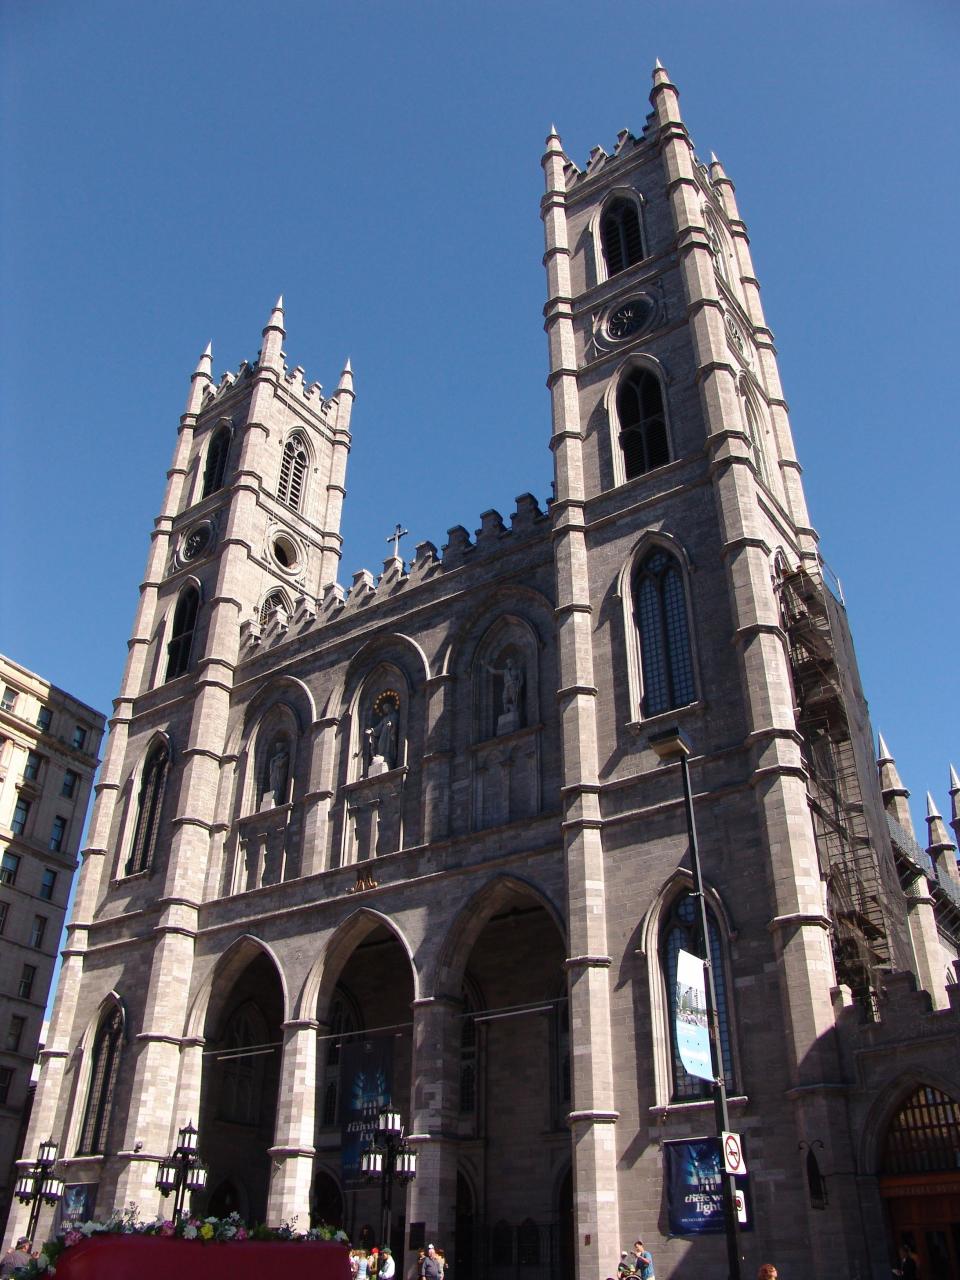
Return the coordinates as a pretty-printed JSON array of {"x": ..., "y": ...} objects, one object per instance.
[{"x": 424, "y": 813}]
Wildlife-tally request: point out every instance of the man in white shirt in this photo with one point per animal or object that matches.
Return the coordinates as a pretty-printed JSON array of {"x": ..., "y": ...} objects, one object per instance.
[{"x": 387, "y": 1269}]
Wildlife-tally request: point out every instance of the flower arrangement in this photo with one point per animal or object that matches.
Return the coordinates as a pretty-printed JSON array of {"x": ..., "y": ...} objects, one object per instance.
[{"x": 127, "y": 1222}]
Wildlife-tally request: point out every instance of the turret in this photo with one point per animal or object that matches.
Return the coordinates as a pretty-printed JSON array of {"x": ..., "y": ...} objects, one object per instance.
[
  {"x": 271, "y": 353},
  {"x": 955, "y": 803},
  {"x": 939, "y": 846},
  {"x": 895, "y": 794}
]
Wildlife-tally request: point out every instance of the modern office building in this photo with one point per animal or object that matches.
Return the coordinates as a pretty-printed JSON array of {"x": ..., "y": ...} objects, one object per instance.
[
  {"x": 49, "y": 742},
  {"x": 416, "y": 840}
]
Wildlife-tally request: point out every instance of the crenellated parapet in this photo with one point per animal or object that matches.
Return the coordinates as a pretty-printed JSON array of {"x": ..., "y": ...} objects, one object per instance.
[{"x": 494, "y": 538}]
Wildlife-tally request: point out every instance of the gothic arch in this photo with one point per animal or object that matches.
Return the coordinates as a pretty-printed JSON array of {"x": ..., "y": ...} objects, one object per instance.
[
  {"x": 624, "y": 591},
  {"x": 637, "y": 364},
  {"x": 887, "y": 1104},
  {"x": 455, "y": 653},
  {"x": 620, "y": 193},
  {"x": 130, "y": 793},
  {"x": 85, "y": 1046},
  {"x": 656, "y": 915},
  {"x": 286, "y": 689},
  {"x": 509, "y": 639},
  {"x": 449, "y": 966},
  {"x": 276, "y": 725},
  {"x": 324, "y": 974},
  {"x": 210, "y": 1000},
  {"x": 395, "y": 648}
]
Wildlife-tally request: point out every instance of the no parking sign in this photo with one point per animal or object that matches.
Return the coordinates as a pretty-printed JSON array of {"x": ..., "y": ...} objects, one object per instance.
[{"x": 733, "y": 1161}]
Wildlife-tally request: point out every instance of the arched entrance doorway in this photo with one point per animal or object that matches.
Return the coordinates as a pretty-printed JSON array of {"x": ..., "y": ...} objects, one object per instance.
[
  {"x": 920, "y": 1181},
  {"x": 241, "y": 1079},
  {"x": 326, "y": 1202},
  {"x": 514, "y": 1088},
  {"x": 366, "y": 1005}
]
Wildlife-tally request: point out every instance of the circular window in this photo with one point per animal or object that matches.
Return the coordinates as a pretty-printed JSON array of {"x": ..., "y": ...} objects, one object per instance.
[
  {"x": 196, "y": 542},
  {"x": 285, "y": 552},
  {"x": 629, "y": 318}
]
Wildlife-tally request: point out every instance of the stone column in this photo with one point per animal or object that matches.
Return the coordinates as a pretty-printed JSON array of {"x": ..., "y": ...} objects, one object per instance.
[
  {"x": 436, "y": 759},
  {"x": 316, "y": 803},
  {"x": 433, "y": 1103},
  {"x": 293, "y": 1151},
  {"x": 929, "y": 958}
]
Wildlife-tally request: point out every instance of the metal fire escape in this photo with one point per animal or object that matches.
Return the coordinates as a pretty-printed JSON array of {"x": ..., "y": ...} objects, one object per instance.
[{"x": 849, "y": 863}]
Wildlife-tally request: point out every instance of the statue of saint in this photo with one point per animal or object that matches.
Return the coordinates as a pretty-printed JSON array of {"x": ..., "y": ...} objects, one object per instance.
[
  {"x": 510, "y": 714},
  {"x": 381, "y": 738},
  {"x": 277, "y": 770}
]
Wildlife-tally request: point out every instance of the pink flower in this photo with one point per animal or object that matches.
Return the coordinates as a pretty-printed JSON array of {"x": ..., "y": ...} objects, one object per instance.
[
  {"x": 168, "y": 1229},
  {"x": 73, "y": 1237},
  {"x": 241, "y": 1234}
]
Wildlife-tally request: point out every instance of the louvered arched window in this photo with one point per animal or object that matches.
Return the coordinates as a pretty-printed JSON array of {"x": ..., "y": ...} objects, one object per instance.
[
  {"x": 275, "y": 600},
  {"x": 621, "y": 235},
  {"x": 105, "y": 1066},
  {"x": 293, "y": 471},
  {"x": 643, "y": 423},
  {"x": 681, "y": 932},
  {"x": 153, "y": 783},
  {"x": 181, "y": 636},
  {"x": 755, "y": 432},
  {"x": 660, "y": 602},
  {"x": 924, "y": 1135},
  {"x": 216, "y": 467}
]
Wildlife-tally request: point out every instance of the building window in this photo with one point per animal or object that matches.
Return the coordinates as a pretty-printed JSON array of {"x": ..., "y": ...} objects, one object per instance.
[
  {"x": 216, "y": 466},
  {"x": 6, "y": 1084},
  {"x": 681, "y": 932},
  {"x": 21, "y": 812},
  {"x": 79, "y": 737},
  {"x": 71, "y": 781},
  {"x": 661, "y": 612},
  {"x": 103, "y": 1078},
  {"x": 47, "y": 883},
  {"x": 275, "y": 600},
  {"x": 293, "y": 469},
  {"x": 37, "y": 931},
  {"x": 44, "y": 719},
  {"x": 31, "y": 771},
  {"x": 755, "y": 432},
  {"x": 15, "y": 1032},
  {"x": 181, "y": 639},
  {"x": 152, "y": 786},
  {"x": 643, "y": 423},
  {"x": 9, "y": 866},
  {"x": 924, "y": 1135},
  {"x": 621, "y": 235},
  {"x": 9, "y": 700},
  {"x": 27, "y": 975},
  {"x": 4, "y": 909},
  {"x": 58, "y": 833},
  {"x": 241, "y": 1092}
]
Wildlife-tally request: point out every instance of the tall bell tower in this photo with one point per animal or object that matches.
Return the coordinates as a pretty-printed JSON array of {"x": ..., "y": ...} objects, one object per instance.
[{"x": 679, "y": 509}]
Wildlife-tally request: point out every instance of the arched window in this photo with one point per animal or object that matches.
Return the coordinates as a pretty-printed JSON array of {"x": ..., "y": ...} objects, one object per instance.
[
  {"x": 755, "y": 432},
  {"x": 275, "y": 600},
  {"x": 621, "y": 236},
  {"x": 293, "y": 470},
  {"x": 152, "y": 786},
  {"x": 681, "y": 932},
  {"x": 105, "y": 1066},
  {"x": 181, "y": 638},
  {"x": 216, "y": 466},
  {"x": 643, "y": 423},
  {"x": 241, "y": 1092},
  {"x": 661, "y": 611},
  {"x": 924, "y": 1135}
]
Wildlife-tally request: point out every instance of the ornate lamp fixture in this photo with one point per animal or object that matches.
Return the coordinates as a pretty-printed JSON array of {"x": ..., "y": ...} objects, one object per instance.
[
  {"x": 37, "y": 1183},
  {"x": 182, "y": 1171},
  {"x": 389, "y": 1158}
]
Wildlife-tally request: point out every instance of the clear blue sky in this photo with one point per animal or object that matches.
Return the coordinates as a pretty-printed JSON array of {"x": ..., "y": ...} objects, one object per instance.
[{"x": 169, "y": 168}]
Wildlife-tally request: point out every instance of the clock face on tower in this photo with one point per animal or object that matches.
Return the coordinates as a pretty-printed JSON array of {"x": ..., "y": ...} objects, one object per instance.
[
  {"x": 629, "y": 318},
  {"x": 196, "y": 542}
]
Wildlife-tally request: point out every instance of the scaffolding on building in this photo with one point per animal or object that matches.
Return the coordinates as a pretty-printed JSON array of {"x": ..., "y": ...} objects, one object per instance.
[{"x": 857, "y": 902}]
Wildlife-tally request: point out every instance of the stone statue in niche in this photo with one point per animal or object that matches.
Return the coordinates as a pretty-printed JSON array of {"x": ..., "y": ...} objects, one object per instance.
[
  {"x": 380, "y": 737},
  {"x": 278, "y": 769},
  {"x": 510, "y": 714}
]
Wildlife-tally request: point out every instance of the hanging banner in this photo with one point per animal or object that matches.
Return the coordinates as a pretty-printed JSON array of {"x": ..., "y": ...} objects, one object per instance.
[
  {"x": 691, "y": 1026},
  {"x": 694, "y": 1177},
  {"x": 366, "y": 1077}
]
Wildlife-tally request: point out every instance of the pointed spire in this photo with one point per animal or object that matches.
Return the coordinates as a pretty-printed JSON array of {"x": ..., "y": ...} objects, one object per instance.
[
  {"x": 200, "y": 379},
  {"x": 658, "y": 65},
  {"x": 938, "y": 840},
  {"x": 955, "y": 802},
  {"x": 346, "y": 379},
  {"x": 271, "y": 353},
  {"x": 664, "y": 96},
  {"x": 954, "y": 782},
  {"x": 553, "y": 144},
  {"x": 895, "y": 794}
]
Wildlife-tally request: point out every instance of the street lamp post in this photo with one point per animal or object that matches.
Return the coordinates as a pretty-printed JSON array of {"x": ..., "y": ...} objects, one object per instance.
[
  {"x": 389, "y": 1158},
  {"x": 182, "y": 1171},
  {"x": 37, "y": 1184},
  {"x": 670, "y": 746}
]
